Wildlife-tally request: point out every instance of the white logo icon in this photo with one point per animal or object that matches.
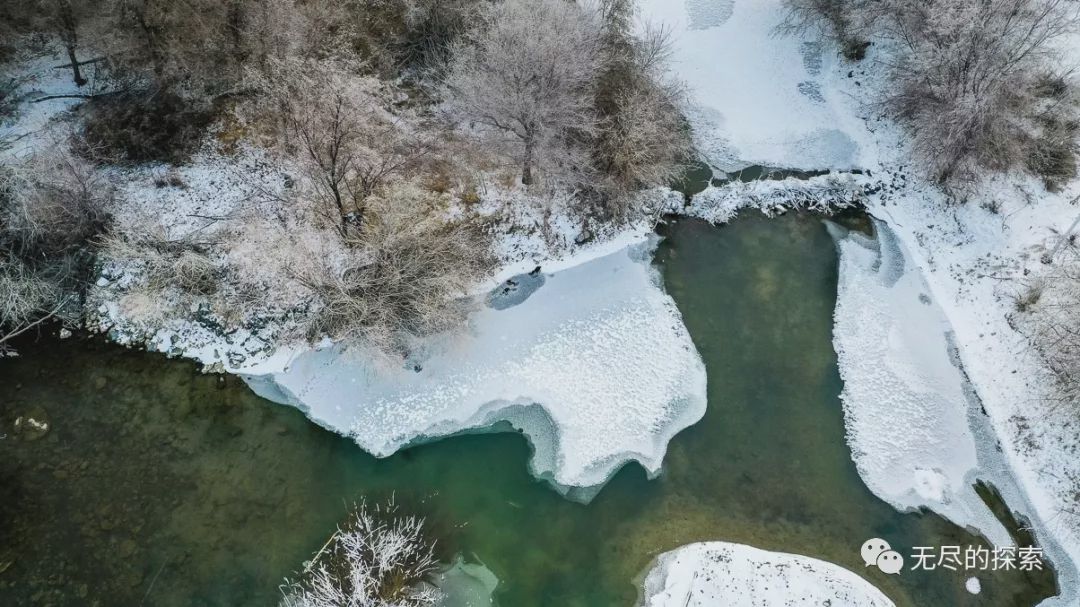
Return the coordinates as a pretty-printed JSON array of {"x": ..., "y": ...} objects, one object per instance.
[{"x": 877, "y": 552}]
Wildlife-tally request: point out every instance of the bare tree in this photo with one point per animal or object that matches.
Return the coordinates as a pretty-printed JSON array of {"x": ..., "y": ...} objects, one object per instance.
[
  {"x": 847, "y": 22},
  {"x": 528, "y": 74},
  {"x": 66, "y": 18},
  {"x": 973, "y": 80},
  {"x": 342, "y": 129},
  {"x": 642, "y": 140},
  {"x": 379, "y": 558}
]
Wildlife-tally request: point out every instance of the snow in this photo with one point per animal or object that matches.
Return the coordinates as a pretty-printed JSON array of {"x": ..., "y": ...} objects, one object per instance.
[
  {"x": 758, "y": 97},
  {"x": 736, "y": 575},
  {"x": 595, "y": 367},
  {"x": 38, "y": 79},
  {"x": 905, "y": 405},
  {"x": 823, "y": 193}
]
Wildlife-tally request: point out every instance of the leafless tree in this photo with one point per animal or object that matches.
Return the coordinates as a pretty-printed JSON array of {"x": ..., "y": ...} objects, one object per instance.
[
  {"x": 642, "y": 139},
  {"x": 66, "y": 18},
  {"x": 344, "y": 131},
  {"x": 528, "y": 74},
  {"x": 974, "y": 81}
]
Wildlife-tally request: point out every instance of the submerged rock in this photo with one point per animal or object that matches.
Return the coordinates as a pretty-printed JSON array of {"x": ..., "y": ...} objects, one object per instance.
[{"x": 32, "y": 425}]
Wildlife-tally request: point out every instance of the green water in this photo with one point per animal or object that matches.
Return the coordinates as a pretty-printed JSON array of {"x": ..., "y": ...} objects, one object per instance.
[{"x": 161, "y": 486}]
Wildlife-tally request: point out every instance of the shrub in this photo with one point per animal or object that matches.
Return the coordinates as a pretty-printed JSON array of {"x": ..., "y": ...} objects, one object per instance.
[
  {"x": 162, "y": 262},
  {"x": 145, "y": 126},
  {"x": 1050, "y": 316},
  {"x": 406, "y": 273},
  {"x": 378, "y": 559},
  {"x": 51, "y": 208},
  {"x": 643, "y": 140},
  {"x": 972, "y": 80}
]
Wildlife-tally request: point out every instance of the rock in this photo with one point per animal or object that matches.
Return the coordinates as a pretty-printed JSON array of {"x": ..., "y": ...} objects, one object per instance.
[
  {"x": 127, "y": 548},
  {"x": 33, "y": 424},
  {"x": 584, "y": 236}
]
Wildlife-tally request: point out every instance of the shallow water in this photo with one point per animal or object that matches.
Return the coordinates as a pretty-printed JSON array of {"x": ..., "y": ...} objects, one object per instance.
[{"x": 161, "y": 486}]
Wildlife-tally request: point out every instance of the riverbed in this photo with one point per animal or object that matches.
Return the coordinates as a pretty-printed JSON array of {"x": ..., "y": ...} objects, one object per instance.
[{"x": 159, "y": 485}]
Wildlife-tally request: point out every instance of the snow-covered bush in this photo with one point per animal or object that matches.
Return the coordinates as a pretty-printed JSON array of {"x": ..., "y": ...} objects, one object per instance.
[
  {"x": 163, "y": 262},
  {"x": 379, "y": 558},
  {"x": 975, "y": 81},
  {"x": 843, "y": 21},
  {"x": 642, "y": 140},
  {"x": 405, "y": 273},
  {"x": 1049, "y": 313}
]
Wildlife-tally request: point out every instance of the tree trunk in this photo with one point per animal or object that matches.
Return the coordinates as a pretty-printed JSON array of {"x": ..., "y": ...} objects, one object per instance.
[
  {"x": 70, "y": 35},
  {"x": 76, "y": 73},
  {"x": 526, "y": 170}
]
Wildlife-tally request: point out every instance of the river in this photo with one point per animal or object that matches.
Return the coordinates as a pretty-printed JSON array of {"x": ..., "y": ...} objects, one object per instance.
[{"x": 159, "y": 485}]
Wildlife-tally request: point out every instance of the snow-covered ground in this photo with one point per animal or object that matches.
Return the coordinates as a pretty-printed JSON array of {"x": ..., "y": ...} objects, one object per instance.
[
  {"x": 735, "y": 575},
  {"x": 594, "y": 366},
  {"x": 759, "y": 97}
]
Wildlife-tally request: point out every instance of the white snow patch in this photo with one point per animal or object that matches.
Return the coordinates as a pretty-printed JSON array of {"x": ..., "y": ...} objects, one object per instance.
[
  {"x": 595, "y": 367},
  {"x": 757, "y": 97},
  {"x": 735, "y": 575}
]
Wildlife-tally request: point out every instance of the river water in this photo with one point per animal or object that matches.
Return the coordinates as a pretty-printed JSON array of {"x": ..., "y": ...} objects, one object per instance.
[{"x": 158, "y": 485}]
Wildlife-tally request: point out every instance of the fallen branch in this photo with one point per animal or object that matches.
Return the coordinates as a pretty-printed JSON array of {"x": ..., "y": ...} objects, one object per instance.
[{"x": 19, "y": 331}]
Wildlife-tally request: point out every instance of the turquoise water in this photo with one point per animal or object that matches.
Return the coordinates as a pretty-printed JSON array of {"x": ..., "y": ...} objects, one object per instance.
[{"x": 157, "y": 485}]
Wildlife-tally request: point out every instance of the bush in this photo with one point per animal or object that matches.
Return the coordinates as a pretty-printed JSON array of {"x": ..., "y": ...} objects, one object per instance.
[
  {"x": 146, "y": 126},
  {"x": 406, "y": 274},
  {"x": 164, "y": 263},
  {"x": 1050, "y": 317},
  {"x": 843, "y": 21},
  {"x": 378, "y": 559},
  {"x": 51, "y": 208},
  {"x": 972, "y": 80},
  {"x": 643, "y": 140}
]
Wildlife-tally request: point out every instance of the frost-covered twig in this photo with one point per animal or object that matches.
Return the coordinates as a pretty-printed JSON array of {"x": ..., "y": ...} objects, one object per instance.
[{"x": 378, "y": 559}]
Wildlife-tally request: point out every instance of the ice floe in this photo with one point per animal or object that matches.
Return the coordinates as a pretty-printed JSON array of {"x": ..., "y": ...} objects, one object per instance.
[
  {"x": 595, "y": 367},
  {"x": 736, "y": 575},
  {"x": 906, "y": 406}
]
